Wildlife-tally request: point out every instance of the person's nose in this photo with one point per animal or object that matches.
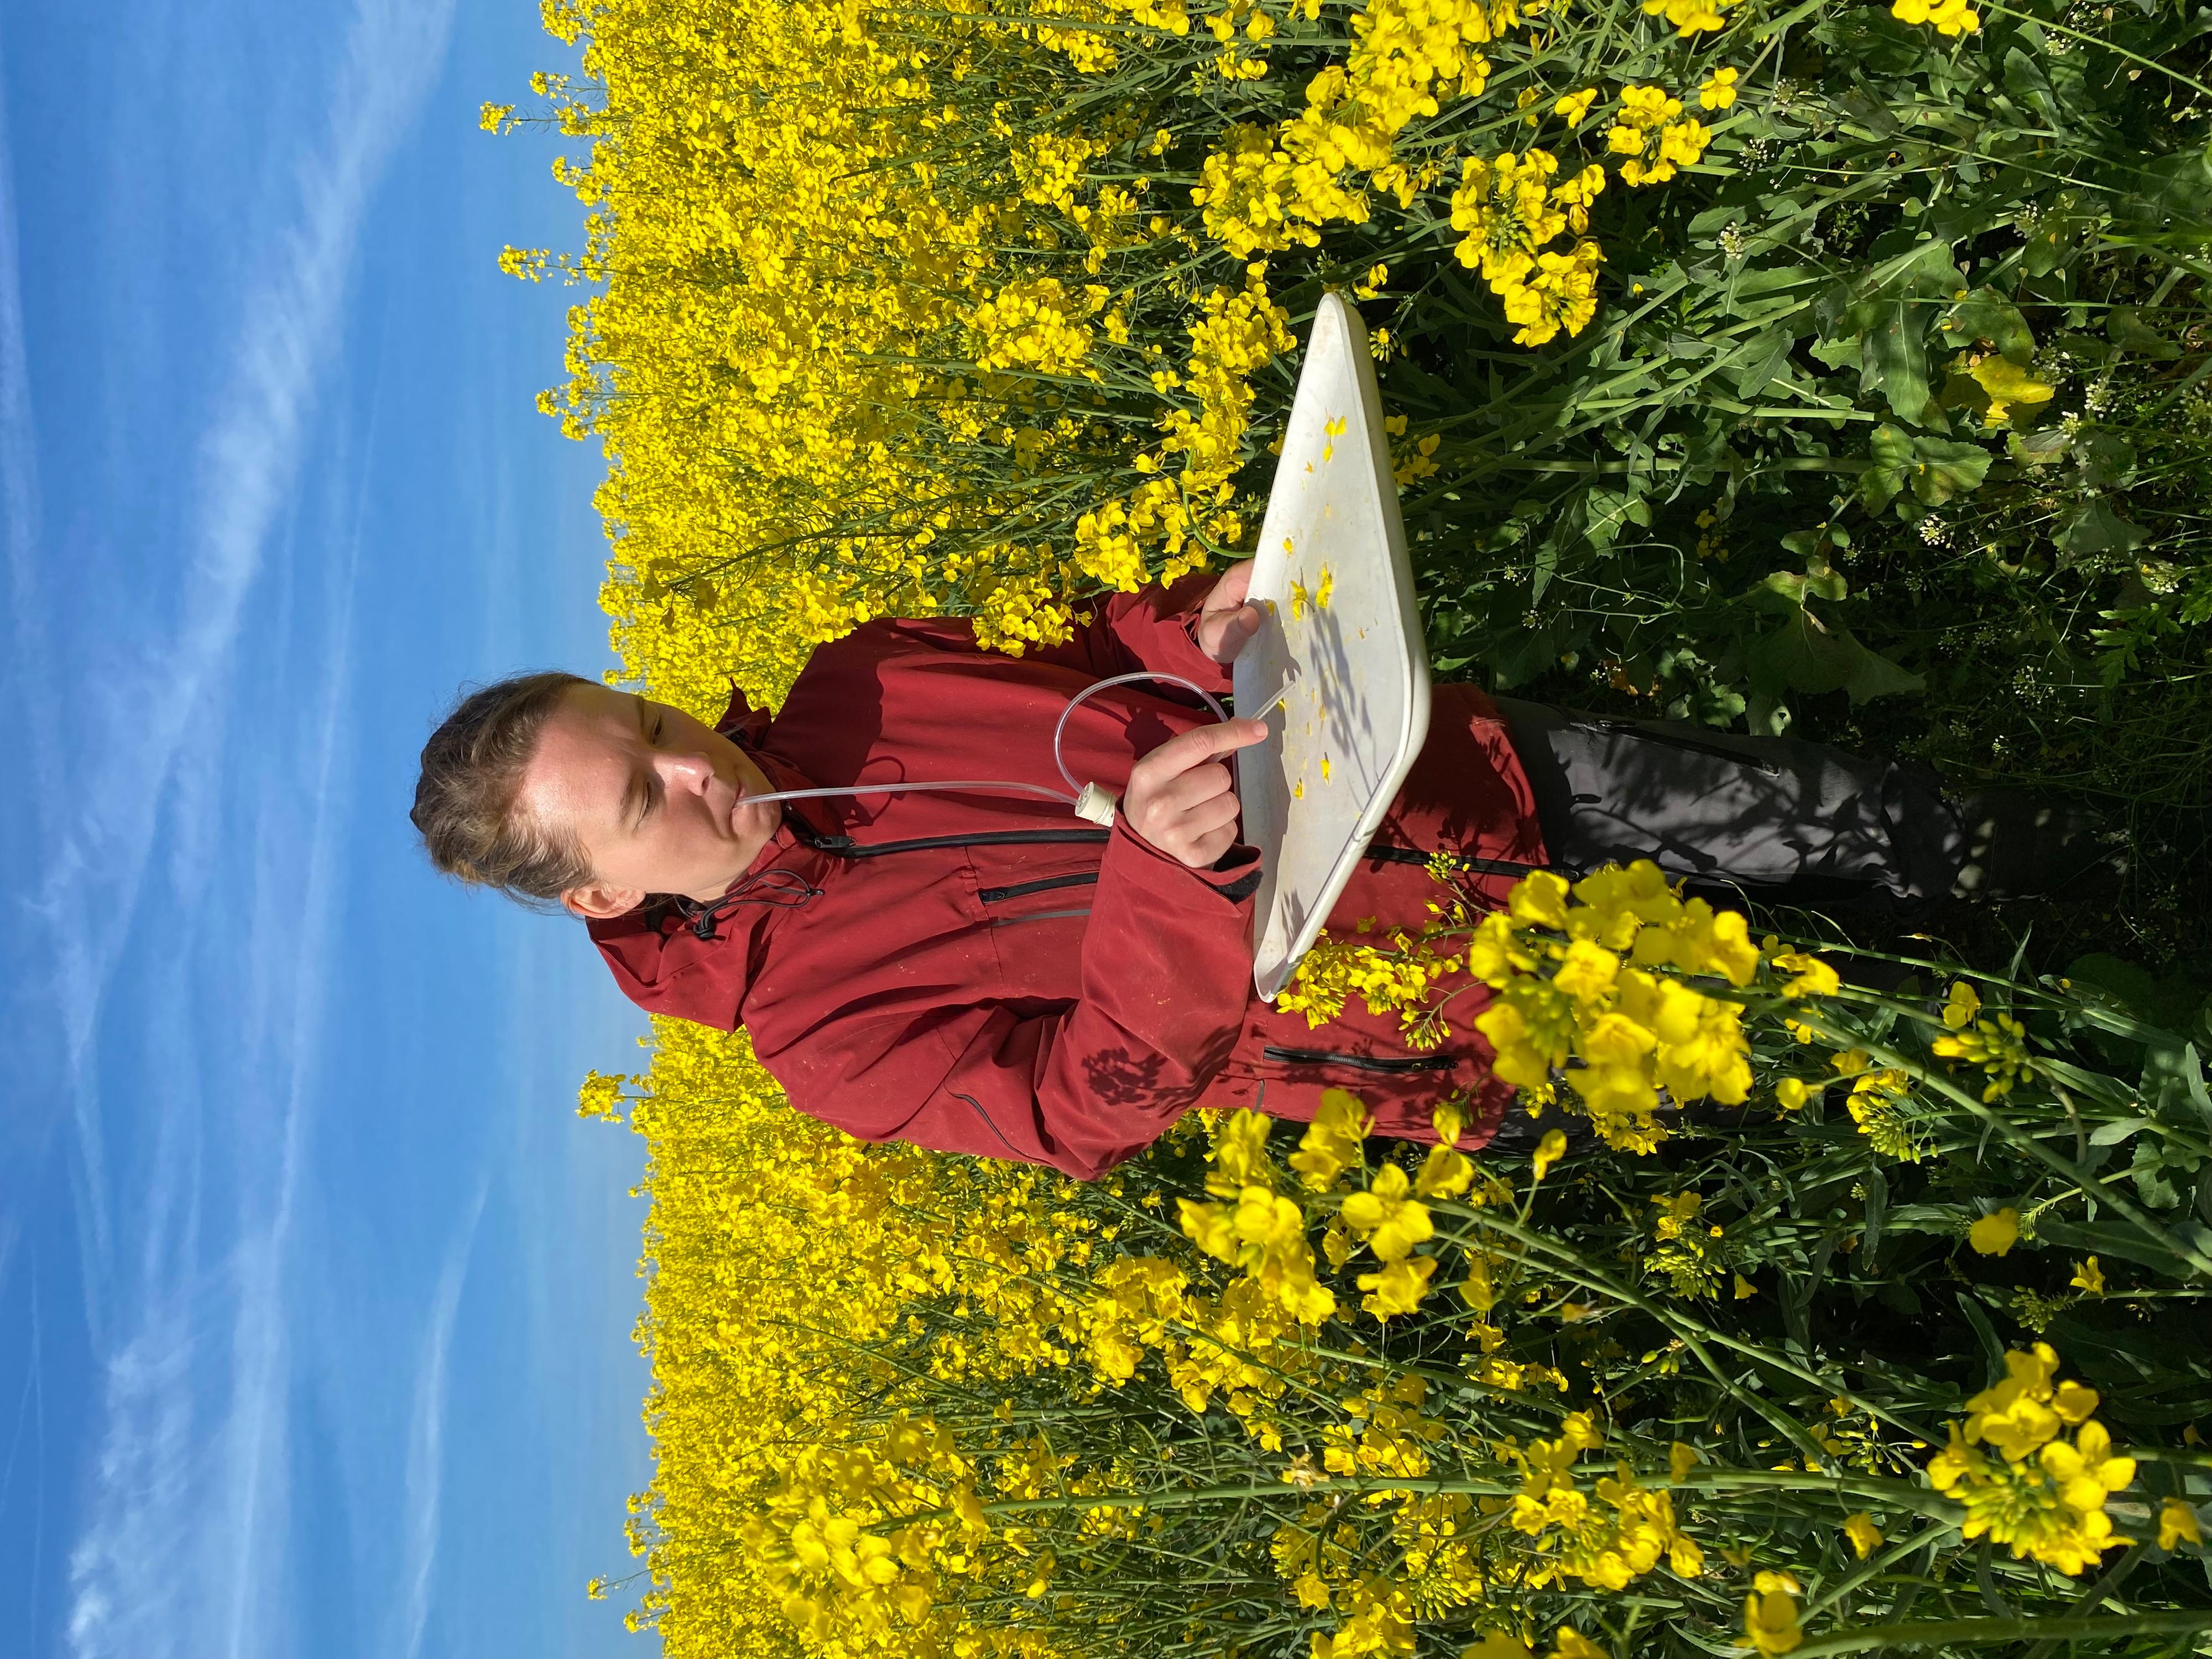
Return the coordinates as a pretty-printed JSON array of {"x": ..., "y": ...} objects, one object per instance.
[{"x": 684, "y": 771}]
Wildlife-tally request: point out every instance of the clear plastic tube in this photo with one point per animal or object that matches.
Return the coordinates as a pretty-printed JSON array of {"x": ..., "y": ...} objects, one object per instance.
[{"x": 1074, "y": 788}]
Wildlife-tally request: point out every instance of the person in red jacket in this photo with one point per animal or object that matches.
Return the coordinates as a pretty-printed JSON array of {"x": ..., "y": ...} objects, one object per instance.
[{"x": 983, "y": 972}]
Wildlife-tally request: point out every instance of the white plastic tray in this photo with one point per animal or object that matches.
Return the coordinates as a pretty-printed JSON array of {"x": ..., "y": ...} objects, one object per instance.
[{"x": 1343, "y": 631}]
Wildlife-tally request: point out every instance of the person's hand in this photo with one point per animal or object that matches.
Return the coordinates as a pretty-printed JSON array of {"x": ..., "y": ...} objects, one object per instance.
[
  {"x": 1227, "y": 621},
  {"x": 1183, "y": 799}
]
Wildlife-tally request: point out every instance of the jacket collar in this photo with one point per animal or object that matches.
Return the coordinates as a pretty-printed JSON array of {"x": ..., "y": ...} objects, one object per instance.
[{"x": 649, "y": 948}]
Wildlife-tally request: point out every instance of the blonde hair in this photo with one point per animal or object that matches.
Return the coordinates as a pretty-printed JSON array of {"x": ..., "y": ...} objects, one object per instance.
[{"x": 473, "y": 770}]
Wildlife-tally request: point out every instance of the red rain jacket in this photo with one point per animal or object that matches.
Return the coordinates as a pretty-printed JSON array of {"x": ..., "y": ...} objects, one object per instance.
[{"x": 989, "y": 974}]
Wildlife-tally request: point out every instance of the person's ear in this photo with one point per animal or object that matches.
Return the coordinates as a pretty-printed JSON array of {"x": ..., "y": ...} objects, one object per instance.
[{"x": 599, "y": 900}]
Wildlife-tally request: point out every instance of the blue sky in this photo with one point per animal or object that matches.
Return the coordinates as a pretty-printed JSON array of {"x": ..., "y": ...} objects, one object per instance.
[{"x": 315, "y": 1298}]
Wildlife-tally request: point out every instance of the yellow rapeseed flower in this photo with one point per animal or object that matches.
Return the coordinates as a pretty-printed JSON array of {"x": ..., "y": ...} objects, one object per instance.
[
  {"x": 1770, "y": 1614},
  {"x": 2177, "y": 1524},
  {"x": 1950, "y": 17},
  {"x": 1549, "y": 1150},
  {"x": 1574, "y": 106},
  {"x": 1995, "y": 1233},
  {"x": 1865, "y": 1536},
  {"x": 1388, "y": 1216},
  {"x": 1399, "y": 1288},
  {"x": 1568, "y": 1643},
  {"x": 1689, "y": 17}
]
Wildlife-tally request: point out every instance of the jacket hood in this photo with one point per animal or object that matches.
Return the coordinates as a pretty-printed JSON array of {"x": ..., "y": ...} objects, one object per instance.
[{"x": 656, "y": 951}]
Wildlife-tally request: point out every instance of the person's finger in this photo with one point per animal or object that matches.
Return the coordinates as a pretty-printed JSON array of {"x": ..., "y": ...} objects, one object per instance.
[
  {"x": 1234, "y": 631},
  {"x": 1235, "y": 582},
  {"x": 1209, "y": 817},
  {"x": 1202, "y": 743},
  {"x": 1200, "y": 783}
]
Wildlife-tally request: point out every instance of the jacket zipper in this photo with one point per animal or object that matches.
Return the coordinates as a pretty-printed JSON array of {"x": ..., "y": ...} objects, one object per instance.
[
  {"x": 1667, "y": 740},
  {"x": 995, "y": 895},
  {"x": 1357, "y": 1062},
  {"x": 845, "y": 847}
]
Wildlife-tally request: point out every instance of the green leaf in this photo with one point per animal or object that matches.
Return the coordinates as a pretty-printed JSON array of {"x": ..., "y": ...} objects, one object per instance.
[
  {"x": 2111, "y": 1135},
  {"x": 1937, "y": 468},
  {"x": 2108, "y": 459},
  {"x": 1755, "y": 363},
  {"x": 2039, "y": 448},
  {"x": 1782, "y": 591},
  {"x": 1893, "y": 359},
  {"x": 2025, "y": 79},
  {"x": 1892, "y": 450},
  {"x": 1986, "y": 316},
  {"x": 1873, "y": 674},
  {"x": 2151, "y": 1184},
  {"x": 2097, "y": 529},
  {"x": 2175, "y": 1076},
  {"x": 1608, "y": 510},
  {"x": 2054, "y": 242},
  {"x": 2125, "y": 328},
  {"x": 1801, "y": 655},
  {"x": 1838, "y": 354}
]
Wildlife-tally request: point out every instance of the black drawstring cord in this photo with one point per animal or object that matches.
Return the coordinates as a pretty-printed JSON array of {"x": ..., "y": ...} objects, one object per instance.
[{"x": 789, "y": 890}]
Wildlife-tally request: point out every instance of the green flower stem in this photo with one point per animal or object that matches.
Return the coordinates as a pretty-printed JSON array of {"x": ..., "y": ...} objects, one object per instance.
[
  {"x": 1983, "y": 1632},
  {"x": 1695, "y": 1333},
  {"x": 2018, "y": 1138},
  {"x": 1894, "y": 1493},
  {"x": 1875, "y": 1565}
]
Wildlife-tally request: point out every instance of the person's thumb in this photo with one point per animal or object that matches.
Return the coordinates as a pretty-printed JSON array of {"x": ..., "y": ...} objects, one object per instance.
[{"x": 1238, "y": 627}]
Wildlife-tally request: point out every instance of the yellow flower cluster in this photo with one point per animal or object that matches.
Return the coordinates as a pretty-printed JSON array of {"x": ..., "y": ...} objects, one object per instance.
[
  {"x": 1689, "y": 17},
  {"x": 1689, "y": 1256},
  {"x": 1876, "y": 1103},
  {"x": 1265, "y": 191},
  {"x": 1401, "y": 979},
  {"x": 1035, "y": 324},
  {"x": 1321, "y": 1555},
  {"x": 1654, "y": 143},
  {"x": 775, "y": 1248},
  {"x": 1998, "y": 1046},
  {"x": 1634, "y": 1032},
  {"x": 847, "y": 314},
  {"x": 1950, "y": 17},
  {"x": 1606, "y": 1544},
  {"x": 1242, "y": 1346},
  {"x": 1261, "y": 1230},
  {"x": 2041, "y": 1494},
  {"x": 1509, "y": 213},
  {"x": 1770, "y": 1614}
]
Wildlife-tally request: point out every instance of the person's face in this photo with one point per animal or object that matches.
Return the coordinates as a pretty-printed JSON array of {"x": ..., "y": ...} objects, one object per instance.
[{"x": 658, "y": 803}]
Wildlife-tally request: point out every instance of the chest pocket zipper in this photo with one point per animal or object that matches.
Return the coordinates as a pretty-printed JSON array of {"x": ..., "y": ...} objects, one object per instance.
[
  {"x": 1357, "y": 1062},
  {"x": 1045, "y": 885}
]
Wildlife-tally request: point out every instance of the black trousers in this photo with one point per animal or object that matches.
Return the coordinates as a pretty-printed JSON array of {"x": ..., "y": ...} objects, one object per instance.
[
  {"x": 1763, "y": 820},
  {"x": 1777, "y": 820}
]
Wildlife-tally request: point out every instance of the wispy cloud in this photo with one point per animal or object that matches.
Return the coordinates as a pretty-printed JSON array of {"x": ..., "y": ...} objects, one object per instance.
[
  {"x": 183, "y": 1548},
  {"x": 426, "y": 1441}
]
